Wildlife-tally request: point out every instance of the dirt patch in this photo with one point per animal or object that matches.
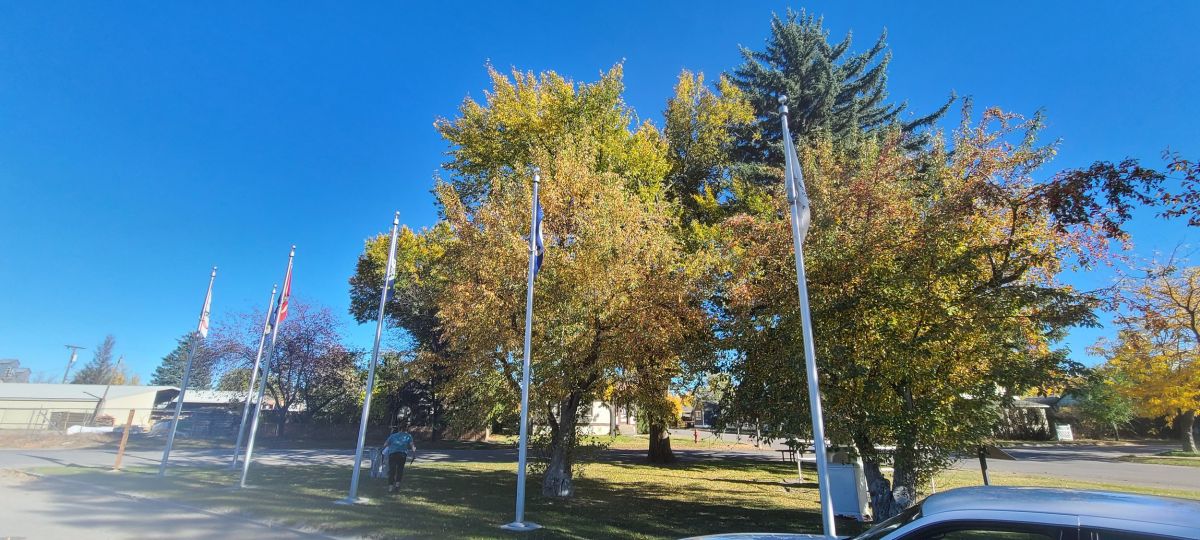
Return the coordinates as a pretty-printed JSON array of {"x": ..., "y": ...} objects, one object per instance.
[
  {"x": 13, "y": 477},
  {"x": 42, "y": 439}
]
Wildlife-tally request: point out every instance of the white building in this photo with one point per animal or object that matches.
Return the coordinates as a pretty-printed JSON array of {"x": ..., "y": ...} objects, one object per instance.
[{"x": 59, "y": 406}]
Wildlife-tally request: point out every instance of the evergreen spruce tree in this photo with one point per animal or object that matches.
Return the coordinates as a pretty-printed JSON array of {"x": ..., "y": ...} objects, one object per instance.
[
  {"x": 100, "y": 370},
  {"x": 829, "y": 90},
  {"x": 170, "y": 371}
]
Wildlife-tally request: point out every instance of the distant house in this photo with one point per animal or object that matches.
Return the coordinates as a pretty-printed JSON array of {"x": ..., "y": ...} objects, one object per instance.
[
  {"x": 604, "y": 418},
  {"x": 59, "y": 406},
  {"x": 195, "y": 399},
  {"x": 1025, "y": 419},
  {"x": 12, "y": 372}
]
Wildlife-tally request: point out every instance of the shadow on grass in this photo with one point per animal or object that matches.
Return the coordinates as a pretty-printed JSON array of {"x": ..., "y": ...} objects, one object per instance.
[{"x": 456, "y": 501}]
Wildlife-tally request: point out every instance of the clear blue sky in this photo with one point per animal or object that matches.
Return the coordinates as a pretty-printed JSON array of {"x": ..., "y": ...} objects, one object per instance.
[{"x": 142, "y": 143}]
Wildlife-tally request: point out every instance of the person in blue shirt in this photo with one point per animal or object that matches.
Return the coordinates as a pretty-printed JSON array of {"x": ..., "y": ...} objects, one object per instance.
[{"x": 398, "y": 448}]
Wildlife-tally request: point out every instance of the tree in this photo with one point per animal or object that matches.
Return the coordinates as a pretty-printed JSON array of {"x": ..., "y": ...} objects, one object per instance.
[
  {"x": 412, "y": 308},
  {"x": 829, "y": 90},
  {"x": 235, "y": 380},
  {"x": 932, "y": 276},
  {"x": 123, "y": 376},
  {"x": 1156, "y": 349},
  {"x": 170, "y": 371},
  {"x": 311, "y": 371},
  {"x": 699, "y": 128},
  {"x": 613, "y": 297},
  {"x": 100, "y": 369},
  {"x": 1104, "y": 401}
]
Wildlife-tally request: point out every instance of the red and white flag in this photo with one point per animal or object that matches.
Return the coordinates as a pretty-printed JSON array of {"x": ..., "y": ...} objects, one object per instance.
[
  {"x": 283, "y": 298},
  {"x": 202, "y": 329}
]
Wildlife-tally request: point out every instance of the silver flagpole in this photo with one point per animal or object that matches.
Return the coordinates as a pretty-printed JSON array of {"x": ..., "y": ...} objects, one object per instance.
[
  {"x": 187, "y": 372},
  {"x": 795, "y": 191},
  {"x": 262, "y": 339},
  {"x": 353, "y": 497},
  {"x": 266, "y": 370},
  {"x": 519, "y": 524}
]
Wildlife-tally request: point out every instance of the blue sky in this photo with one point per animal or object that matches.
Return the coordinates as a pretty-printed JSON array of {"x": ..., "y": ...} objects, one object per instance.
[{"x": 142, "y": 143}]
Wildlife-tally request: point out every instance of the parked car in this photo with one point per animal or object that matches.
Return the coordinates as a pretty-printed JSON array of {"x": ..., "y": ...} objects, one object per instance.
[{"x": 1021, "y": 513}]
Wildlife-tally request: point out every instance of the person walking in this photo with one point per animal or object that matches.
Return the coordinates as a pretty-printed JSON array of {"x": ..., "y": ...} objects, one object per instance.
[{"x": 397, "y": 449}]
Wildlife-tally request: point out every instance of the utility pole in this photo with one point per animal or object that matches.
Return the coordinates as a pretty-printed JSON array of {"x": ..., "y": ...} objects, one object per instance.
[{"x": 71, "y": 362}]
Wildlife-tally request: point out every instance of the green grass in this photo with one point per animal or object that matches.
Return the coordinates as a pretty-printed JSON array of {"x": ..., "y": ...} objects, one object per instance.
[
  {"x": 471, "y": 499},
  {"x": 1171, "y": 457},
  {"x": 960, "y": 478}
]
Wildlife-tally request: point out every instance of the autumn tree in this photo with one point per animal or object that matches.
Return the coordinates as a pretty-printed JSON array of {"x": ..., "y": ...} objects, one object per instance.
[
  {"x": 311, "y": 366},
  {"x": 933, "y": 283},
  {"x": 425, "y": 384},
  {"x": 612, "y": 298},
  {"x": 170, "y": 371},
  {"x": 100, "y": 369},
  {"x": 1158, "y": 344}
]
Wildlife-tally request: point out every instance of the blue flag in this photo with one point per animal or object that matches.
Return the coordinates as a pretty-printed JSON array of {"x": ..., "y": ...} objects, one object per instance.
[{"x": 539, "y": 241}]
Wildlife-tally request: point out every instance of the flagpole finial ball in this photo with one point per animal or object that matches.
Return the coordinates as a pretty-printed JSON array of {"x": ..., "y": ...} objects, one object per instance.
[{"x": 783, "y": 108}]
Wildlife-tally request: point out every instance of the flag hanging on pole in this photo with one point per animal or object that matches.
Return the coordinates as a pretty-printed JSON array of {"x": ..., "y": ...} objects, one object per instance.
[
  {"x": 352, "y": 496},
  {"x": 389, "y": 280},
  {"x": 203, "y": 328},
  {"x": 536, "y": 249},
  {"x": 798, "y": 203},
  {"x": 794, "y": 178},
  {"x": 282, "y": 310},
  {"x": 539, "y": 239}
]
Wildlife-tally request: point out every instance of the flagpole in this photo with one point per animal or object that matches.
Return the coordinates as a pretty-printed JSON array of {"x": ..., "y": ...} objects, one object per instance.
[
  {"x": 795, "y": 190},
  {"x": 519, "y": 524},
  {"x": 187, "y": 372},
  {"x": 389, "y": 276},
  {"x": 266, "y": 368},
  {"x": 262, "y": 339}
]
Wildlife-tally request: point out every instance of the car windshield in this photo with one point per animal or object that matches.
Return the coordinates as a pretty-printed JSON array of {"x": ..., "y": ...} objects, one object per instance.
[{"x": 891, "y": 524}]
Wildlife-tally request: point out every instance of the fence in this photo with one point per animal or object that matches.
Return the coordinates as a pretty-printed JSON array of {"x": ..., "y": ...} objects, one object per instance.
[{"x": 63, "y": 419}]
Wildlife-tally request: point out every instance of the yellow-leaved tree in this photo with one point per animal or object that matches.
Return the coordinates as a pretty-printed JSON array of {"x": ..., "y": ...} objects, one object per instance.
[
  {"x": 1156, "y": 350},
  {"x": 613, "y": 298}
]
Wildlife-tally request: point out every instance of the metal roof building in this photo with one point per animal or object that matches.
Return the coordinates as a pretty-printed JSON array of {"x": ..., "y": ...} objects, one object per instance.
[{"x": 59, "y": 406}]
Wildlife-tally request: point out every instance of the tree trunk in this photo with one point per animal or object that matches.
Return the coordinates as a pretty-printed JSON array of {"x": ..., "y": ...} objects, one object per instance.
[
  {"x": 660, "y": 443},
  {"x": 281, "y": 420},
  {"x": 1187, "y": 427},
  {"x": 887, "y": 498},
  {"x": 557, "y": 482}
]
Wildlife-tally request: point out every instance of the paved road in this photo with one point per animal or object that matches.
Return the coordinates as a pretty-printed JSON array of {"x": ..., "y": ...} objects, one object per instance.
[
  {"x": 1096, "y": 464},
  {"x": 52, "y": 508}
]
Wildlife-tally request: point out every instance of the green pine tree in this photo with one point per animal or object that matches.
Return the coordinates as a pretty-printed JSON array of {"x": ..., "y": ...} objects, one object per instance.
[
  {"x": 829, "y": 90},
  {"x": 170, "y": 371}
]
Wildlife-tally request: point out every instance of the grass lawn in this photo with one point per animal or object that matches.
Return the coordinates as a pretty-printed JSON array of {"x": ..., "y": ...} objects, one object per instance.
[
  {"x": 471, "y": 499},
  {"x": 1173, "y": 457},
  {"x": 960, "y": 478}
]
